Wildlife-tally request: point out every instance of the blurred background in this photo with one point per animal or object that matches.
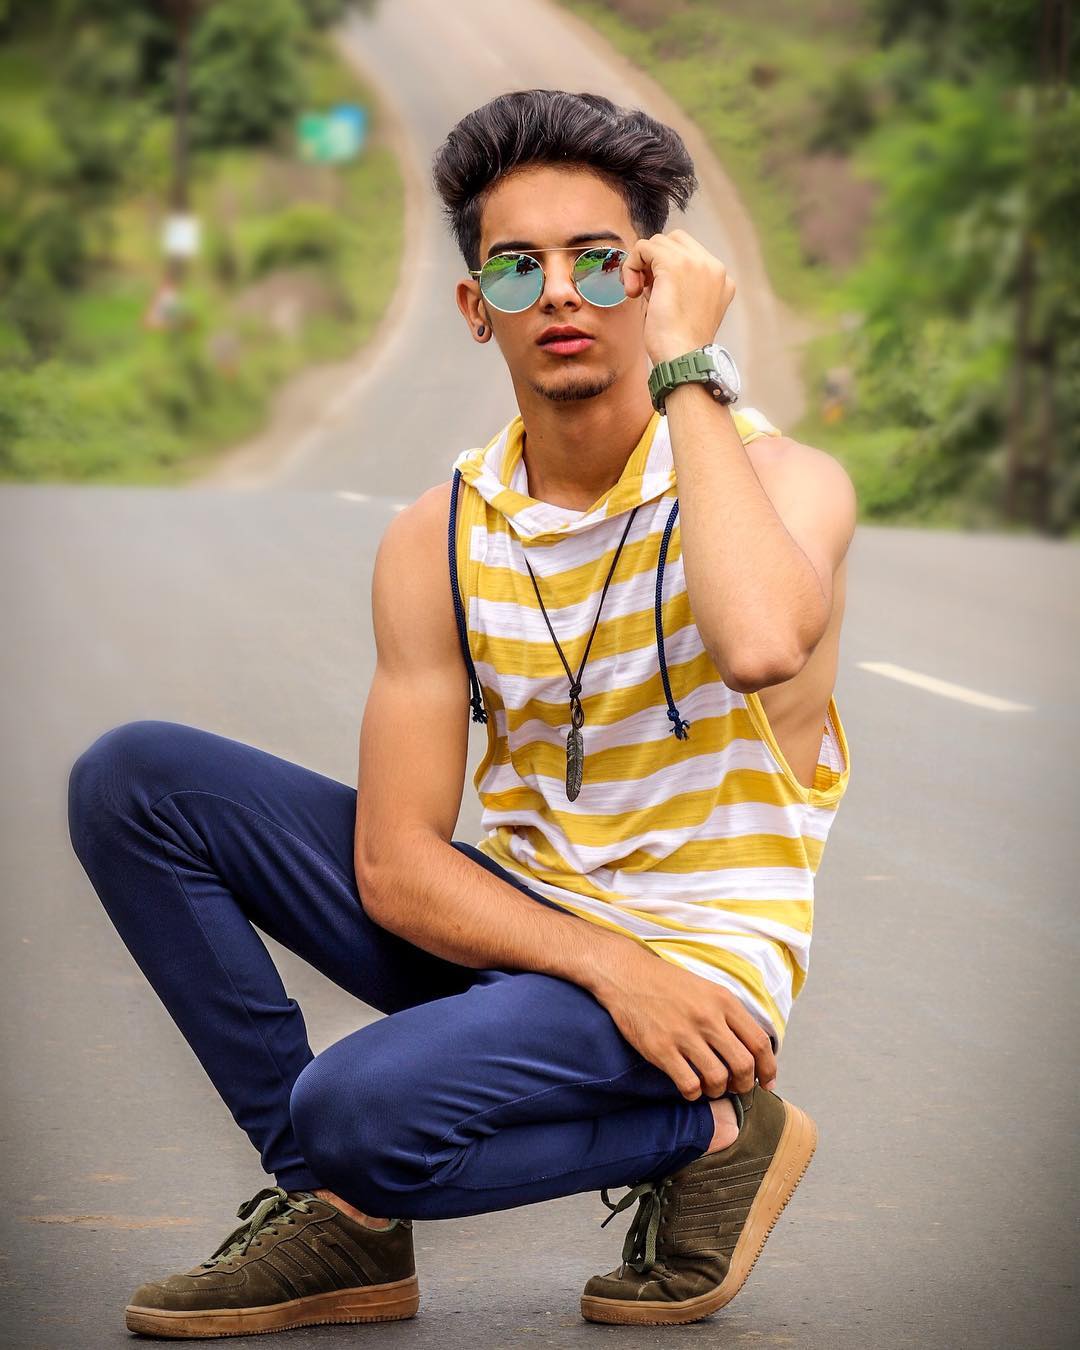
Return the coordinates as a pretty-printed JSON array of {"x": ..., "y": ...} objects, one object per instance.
[
  {"x": 197, "y": 200},
  {"x": 230, "y": 352},
  {"x": 192, "y": 209}
]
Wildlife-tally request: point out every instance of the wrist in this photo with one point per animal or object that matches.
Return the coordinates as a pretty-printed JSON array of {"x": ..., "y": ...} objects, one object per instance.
[
  {"x": 668, "y": 348},
  {"x": 607, "y": 963},
  {"x": 677, "y": 395}
]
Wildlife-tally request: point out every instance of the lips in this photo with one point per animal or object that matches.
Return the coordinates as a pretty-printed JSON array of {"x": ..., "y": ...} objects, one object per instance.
[
  {"x": 561, "y": 335},
  {"x": 565, "y": 343}
]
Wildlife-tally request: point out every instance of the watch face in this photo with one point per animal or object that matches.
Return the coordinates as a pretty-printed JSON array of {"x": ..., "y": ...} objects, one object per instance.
[{"x": 725, "y": 366}]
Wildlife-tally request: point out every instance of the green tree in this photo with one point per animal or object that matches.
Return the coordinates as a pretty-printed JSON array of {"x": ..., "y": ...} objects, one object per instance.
[
  {"x": 969, "y": 292},
  {"x": 246, "y": 70}
]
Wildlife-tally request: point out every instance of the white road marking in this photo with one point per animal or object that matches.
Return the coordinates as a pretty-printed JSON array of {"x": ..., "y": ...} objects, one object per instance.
[
  {"x": 366, "y": 497},
  {"x": 944, "y": 687}
]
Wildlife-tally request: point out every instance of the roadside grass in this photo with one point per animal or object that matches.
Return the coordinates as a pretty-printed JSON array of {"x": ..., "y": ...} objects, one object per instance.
[{"x": 297, "y": 265}]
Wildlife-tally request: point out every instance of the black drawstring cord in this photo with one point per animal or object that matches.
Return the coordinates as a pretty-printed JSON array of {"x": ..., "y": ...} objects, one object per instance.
[
  {"x": 479, "y": 712},
  {"x": 679, "y": 726}
]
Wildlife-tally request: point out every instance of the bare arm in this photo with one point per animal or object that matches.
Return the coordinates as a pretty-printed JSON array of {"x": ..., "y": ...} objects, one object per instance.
[{"x": 413, "y": 758}]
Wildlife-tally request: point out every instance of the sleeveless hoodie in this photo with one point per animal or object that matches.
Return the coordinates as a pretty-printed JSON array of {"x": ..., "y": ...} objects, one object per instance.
[{"x": 691, "y": 834}]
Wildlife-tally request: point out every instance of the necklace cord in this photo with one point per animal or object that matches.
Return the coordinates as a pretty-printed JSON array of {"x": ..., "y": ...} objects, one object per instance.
[{"x": 575, "y": 684}]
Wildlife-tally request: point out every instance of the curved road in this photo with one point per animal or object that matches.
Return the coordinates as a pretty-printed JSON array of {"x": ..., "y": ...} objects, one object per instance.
[
  {"x": 391, "y": 422},
  {"x": 934, "y": 1043}
]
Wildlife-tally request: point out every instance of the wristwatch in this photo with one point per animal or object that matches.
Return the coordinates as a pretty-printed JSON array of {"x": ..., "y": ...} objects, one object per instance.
[{"x": 711, "y": 365}]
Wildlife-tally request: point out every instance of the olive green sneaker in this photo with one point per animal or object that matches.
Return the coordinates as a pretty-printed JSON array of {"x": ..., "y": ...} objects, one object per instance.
[
  {"x": 298, "y": 1260},
  {"x": 698, "y": 1231}
]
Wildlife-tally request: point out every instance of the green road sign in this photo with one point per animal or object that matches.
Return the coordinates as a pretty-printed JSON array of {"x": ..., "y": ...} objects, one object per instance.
[{"x": 332, "y": 137}]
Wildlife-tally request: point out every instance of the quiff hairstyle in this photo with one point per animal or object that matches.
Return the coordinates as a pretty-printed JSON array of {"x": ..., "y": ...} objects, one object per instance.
[{"x": 644, "y": 160}]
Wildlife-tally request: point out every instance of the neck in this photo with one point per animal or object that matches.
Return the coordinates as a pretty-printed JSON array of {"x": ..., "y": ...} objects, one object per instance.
[{"x": 575, "y": 451}]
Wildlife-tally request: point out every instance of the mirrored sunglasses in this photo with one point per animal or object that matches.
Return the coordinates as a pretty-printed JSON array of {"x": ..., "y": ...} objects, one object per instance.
[{"x": 512, "y": 282}]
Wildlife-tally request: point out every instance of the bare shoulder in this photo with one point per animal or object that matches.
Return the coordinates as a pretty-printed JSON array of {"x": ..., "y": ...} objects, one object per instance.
[
  {"x": 787, "y": 457},
  {"x": 432, "y": 503},
  {"x": 436, "y": 499},
  {"x": 420, "y": 529},
  {"x": 807, "y": 485},
  {"x": 411, "y": 593}
]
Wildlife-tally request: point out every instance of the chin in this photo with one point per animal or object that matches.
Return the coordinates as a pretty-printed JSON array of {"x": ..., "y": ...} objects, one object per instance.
[{"x": 578, "y": 386}]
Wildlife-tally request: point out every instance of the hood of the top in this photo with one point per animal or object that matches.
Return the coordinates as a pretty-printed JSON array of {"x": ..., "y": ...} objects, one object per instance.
[{"x": 497, "y": 472}]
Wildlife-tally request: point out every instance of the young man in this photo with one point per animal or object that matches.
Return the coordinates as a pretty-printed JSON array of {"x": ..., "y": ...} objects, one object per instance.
[{"x": 645, "y": 610}]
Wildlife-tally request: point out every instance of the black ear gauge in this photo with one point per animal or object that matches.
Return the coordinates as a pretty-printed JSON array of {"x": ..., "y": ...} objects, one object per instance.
[{"x": 480, "y": 331}]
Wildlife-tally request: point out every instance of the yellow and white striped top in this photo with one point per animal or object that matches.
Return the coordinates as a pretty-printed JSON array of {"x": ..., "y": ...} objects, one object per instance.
[{"x": 701, "y": 846}]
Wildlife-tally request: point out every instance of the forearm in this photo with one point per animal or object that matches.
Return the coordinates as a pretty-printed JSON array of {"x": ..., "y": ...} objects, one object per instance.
[
  {"x": 443, "y": 901},
  {"x": 754, "y": 593}
]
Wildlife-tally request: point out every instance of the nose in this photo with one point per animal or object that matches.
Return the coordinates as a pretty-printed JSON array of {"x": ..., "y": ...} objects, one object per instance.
[{"x": 559, "y": 289}]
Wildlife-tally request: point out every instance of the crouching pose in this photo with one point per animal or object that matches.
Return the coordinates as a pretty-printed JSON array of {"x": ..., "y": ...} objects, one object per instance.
[{"x": 638, "y": 590}]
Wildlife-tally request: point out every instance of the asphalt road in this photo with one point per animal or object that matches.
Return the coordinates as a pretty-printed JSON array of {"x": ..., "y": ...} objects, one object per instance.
[
  {"x": 934, "y": 1042},
  {"x": 385, "y": 423}
]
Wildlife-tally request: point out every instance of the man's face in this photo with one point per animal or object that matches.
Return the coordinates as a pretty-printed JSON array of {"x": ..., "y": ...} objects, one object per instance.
[{"x": 544, "y": 207}]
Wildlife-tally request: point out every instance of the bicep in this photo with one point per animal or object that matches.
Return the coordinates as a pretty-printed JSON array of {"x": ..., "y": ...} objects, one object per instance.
[
  {"x": 414, "y": 736},
  {"x": 814, "y": 496}
]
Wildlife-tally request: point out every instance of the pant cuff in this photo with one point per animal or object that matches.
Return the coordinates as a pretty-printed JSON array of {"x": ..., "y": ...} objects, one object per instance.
[{"x": 298, "y": 1179}]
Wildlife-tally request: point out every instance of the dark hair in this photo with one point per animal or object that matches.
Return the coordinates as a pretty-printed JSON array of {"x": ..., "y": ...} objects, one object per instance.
[{"x": 642, "y": 159}]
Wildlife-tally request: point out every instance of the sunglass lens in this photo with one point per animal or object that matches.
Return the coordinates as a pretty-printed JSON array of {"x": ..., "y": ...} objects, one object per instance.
[
  {"x": 511, "y": 281},
  {"x": 598, "y": 274}
]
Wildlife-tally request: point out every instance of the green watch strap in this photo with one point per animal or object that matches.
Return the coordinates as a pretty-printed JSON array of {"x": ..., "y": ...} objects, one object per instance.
[{"x": 691, "y": 367}]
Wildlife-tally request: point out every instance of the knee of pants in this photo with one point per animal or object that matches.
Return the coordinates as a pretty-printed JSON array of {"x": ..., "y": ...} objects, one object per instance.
[
  {"x": 125, "y": 765},
  {"x": 358, "y": 1127}
]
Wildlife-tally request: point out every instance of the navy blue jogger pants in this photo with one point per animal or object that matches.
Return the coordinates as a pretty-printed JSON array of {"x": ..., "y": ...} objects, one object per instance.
[{"x": 479, "y": 1090}]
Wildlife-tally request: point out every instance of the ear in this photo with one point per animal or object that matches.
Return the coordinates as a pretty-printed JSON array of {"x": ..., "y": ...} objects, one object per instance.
[{"x": 472, "y": 307}]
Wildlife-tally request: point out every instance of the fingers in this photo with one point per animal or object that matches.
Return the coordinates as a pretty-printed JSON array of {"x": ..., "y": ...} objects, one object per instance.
[
  {"x": 636, "y": 276},
  {"x": 678, "y": 1069},
  {"x": 742, "y": 1043},
  {"x": 739, "y": 1060},
  {"x": 711, "y": 1069},
  {"x": 683, "y": 1075},
  {"x": 711, "y": 1043},
  {"x": 637, "y": 265},
  {"x": 766, "y": 1064},
  {"x": 755, "y": 1042},
  {"x": 725, "y": 1065}
]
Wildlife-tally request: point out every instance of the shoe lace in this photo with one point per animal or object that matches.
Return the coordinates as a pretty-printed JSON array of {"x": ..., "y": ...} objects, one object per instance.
[
  {"x": 639, "y": 1248},
  {"x": 269, "y": 1206}
]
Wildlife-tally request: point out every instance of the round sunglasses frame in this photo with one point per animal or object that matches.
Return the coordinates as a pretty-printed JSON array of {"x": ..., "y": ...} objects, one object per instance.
[{"x": 565, "y": 248}]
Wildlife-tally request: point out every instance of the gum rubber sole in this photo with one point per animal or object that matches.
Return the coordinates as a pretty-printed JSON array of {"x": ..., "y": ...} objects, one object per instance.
[
  {"x": 373, "y": 1303},
  {"x": 793, "y": 1153}
]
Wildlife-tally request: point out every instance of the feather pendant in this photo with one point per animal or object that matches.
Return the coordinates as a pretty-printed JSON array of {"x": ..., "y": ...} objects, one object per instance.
[{"x": 575, "y": 762}]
